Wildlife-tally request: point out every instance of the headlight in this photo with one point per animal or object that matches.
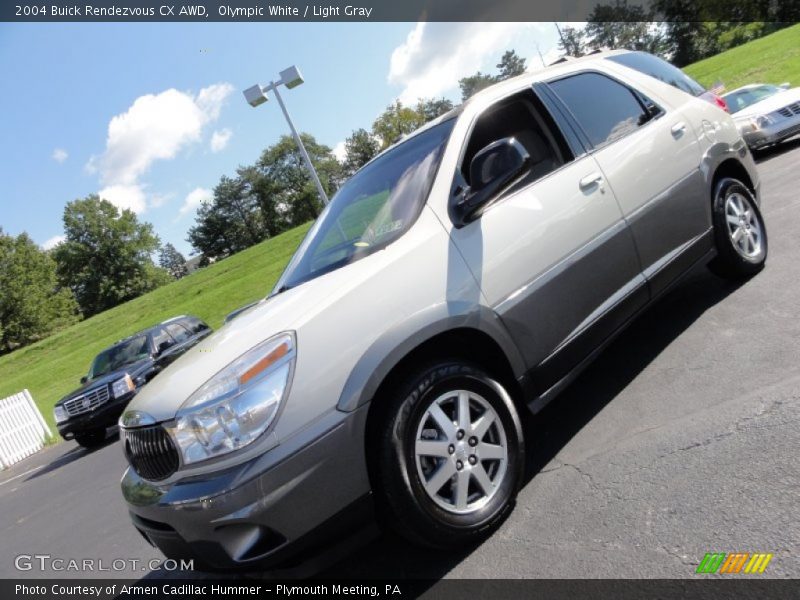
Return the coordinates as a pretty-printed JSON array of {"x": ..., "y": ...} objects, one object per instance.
[
  {"x": 60, "y": 414},
  {"x": 122, "y": 386},
  {"x": 761, "y": 121},
  {"x": 237, "y": 404}
]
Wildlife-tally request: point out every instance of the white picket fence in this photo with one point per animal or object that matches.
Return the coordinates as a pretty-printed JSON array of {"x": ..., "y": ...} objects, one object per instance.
[{"x": 23, "y": 430}]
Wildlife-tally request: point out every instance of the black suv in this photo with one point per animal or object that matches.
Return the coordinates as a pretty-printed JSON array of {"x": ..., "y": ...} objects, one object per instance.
[{"x": 116, "y": 375}]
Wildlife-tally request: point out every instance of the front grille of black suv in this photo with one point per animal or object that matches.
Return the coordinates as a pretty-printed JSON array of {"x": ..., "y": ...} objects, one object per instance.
[{"x": 150, "y": 452}]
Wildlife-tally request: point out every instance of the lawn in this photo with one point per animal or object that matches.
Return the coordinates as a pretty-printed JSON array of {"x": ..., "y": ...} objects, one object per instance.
[
  {"x": 771, "y": 59},
  {"x": 52, "y": 367}
]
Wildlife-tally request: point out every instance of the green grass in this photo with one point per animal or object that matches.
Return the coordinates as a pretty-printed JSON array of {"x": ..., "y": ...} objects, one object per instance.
[
  {"x": 52, "y": 367},
  {"x": 772, "y": 59}
]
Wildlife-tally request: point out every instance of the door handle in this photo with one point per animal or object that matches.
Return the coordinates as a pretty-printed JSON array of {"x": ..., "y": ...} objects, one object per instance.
[
  {"x": 590, "y": 181},
  {"x": 678, "y": 129}
]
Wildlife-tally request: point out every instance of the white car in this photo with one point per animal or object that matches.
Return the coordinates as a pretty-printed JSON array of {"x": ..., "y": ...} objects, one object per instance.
[
  {"x": 765, "y": 114},
  {"x": 461, "y": 278}
]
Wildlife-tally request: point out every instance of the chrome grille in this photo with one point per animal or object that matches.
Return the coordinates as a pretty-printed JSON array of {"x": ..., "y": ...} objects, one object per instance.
[
  {"x": 87, "y": 402},
  {"x": 792, "y": 109},
  {"x": 150, "y": 452}
]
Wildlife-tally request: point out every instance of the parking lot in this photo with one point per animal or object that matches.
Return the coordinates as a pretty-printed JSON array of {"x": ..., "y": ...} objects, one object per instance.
[{"x": 681, "y": 439}]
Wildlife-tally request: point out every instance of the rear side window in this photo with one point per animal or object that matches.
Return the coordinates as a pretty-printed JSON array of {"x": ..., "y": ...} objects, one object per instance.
[
  {"x": 178, "y": 332},
  {"x": 193, "y": 324},
  {"x": 605, "y": 109},
  {"x": 162, "y": 339},
  {"x": 660, "y": 69}
]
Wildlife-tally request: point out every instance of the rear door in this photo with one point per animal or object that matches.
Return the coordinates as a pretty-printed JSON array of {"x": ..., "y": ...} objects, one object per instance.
[{"x": 650, "y": 157}]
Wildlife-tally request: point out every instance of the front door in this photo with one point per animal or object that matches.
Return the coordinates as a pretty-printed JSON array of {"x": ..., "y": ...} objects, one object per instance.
[{"x": 553, "y": 256}]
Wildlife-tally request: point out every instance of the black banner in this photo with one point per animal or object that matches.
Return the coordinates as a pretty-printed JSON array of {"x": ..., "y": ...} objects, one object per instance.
[
  {"x": 449, "y": 589},
  {"x": 397, "y": 10}
]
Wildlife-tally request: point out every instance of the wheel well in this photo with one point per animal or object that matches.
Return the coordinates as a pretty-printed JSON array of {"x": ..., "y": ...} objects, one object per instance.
[
  {"x": 467, "y": 344},
  {"x": 732, "y": 168}
]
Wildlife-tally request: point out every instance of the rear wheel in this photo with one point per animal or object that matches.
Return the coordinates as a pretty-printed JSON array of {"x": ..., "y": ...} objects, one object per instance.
[
  {"x": 91, "y": 439},
  {"x": 739, "y": 231},
  {"x": 451, "y": 456}
]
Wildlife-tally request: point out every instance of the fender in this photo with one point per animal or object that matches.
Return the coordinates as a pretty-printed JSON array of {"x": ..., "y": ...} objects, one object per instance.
[{"x": 396, "y": 343}]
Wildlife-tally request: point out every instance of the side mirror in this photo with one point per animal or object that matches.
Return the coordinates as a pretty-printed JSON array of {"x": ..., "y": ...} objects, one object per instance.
[
  {"x": 492, "y": 169},
  {"x": 165, "y": 345},
  {"x": 785, "y": 85},
  {"x": 84, "y": 379}
]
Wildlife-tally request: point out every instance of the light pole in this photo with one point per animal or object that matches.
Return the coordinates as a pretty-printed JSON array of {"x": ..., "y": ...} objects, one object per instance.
[{"x": 257, "y": 95}]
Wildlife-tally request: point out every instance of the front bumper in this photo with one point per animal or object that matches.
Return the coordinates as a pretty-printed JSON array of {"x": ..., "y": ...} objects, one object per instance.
[
  {"x": 772, "y": 134},
  {"x": 268, "y": 512},
  {"x": 102, "y": 417}
]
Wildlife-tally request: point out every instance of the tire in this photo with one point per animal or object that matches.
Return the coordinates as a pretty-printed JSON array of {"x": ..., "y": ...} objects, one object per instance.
[
  {"x": 91, "y": 439},
  {"x": 442, "y": 517},
  {"x": 740, "y": 234}
]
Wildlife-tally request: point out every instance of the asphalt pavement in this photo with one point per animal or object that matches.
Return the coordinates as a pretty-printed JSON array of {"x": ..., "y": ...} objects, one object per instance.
[{"x": 681, "y": 439}]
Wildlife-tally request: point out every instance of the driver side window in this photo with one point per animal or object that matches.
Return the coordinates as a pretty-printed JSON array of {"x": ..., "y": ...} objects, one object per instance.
[{"x": 524, "y": 118}]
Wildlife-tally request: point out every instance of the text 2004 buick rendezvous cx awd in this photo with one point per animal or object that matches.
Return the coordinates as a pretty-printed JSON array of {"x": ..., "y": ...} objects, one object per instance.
[{"x": 464, "y": 276}]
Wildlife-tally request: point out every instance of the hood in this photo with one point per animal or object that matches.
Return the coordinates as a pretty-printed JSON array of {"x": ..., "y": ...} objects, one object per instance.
[
  {"x": 770, "y": 104},
  {"x": 162, "y": 397},
  {"x": 133, "y": 369}
]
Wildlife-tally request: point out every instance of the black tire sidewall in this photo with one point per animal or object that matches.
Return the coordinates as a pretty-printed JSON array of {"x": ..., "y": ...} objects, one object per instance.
[
  {"x": 729, "y": 261},
  {"x": 417, "y": 514}
]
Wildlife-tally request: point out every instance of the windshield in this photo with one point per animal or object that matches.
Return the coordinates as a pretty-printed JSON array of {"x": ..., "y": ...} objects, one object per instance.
[
  {"x": 120, "y": 355},
  {"x": 741, "y": 99},
  {"x": 375, "y": 207}
]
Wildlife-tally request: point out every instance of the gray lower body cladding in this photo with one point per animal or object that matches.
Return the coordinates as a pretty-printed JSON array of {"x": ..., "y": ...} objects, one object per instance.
[{"x": 261, "y": 513}]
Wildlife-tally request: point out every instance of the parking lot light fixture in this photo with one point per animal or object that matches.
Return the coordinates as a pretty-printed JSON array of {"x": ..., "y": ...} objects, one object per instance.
[{"x": 257, "y": 95}]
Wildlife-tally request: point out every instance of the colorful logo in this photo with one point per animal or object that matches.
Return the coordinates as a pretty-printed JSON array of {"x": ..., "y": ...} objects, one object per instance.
[{"x": 735, "y": 562}]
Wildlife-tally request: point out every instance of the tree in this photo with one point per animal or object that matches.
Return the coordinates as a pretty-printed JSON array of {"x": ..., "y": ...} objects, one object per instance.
[
  {"x": 619, "y": 25},
  {"x": 287, "y": 181},
  {"x": 473, "y": 84},
  {"x": 32, "y": 304},
  {"x": 510, "y": 65},
  {"x": 395, "y": 122},
  {"x": 106, "y": 257},
  {"x": 264, "y": 199},
  {"x": 359, "y": 149},
  {"x": 230, "y": 222},
  {"x": 572, "y": 42},
  {"x": 431, "y": 108},
  {"x": 172, "y": 261}
]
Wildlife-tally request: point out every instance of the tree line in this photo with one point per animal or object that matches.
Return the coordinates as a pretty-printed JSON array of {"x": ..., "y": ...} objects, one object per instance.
[{"x": 109, "y": 257}]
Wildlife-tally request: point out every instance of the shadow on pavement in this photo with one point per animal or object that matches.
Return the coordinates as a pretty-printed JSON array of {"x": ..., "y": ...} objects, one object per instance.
[
  {"x": 390, "y": 557},
  {"x": 70, "y": 456}
]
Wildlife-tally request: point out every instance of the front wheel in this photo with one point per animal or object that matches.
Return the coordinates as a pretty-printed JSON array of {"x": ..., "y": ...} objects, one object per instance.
[
  {"x": 451, "y": 456},
  {"x": 739, "y": 231}
]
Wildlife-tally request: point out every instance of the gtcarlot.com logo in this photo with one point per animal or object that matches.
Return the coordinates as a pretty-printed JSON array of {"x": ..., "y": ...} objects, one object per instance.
[
  {"x": 734, "y": 562},
  {"x": 47, "y": 562}
]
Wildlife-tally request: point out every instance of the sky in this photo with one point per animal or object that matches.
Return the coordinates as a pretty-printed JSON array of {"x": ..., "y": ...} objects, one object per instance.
[{"x": 150, "y": 116}]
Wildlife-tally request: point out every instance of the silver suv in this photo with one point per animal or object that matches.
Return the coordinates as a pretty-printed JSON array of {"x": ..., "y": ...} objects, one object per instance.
[{"x": 462, "y": 277}]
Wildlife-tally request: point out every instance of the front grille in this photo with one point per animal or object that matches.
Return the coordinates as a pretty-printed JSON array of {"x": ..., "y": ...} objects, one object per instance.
[
  {"x": 792, "y": 109},
  {"x": 150, "y": 452},
  {"x": 87, "y": 402}
]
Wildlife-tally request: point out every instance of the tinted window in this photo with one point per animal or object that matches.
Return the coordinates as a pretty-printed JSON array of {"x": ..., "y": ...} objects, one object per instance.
[
  {"x": 372, "y": 209},
  {"x": 741, "y": 99},
  {"x": 523, "y": 117},
  {"x": 660, "y": 69},
  {"x": 194, "y": 324},
  {"x": 178, "y": 332},
  {"x": 604, "y": 108},
  {"x": 118, "y": 356},
  {"x": 162, "y": 339}
]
